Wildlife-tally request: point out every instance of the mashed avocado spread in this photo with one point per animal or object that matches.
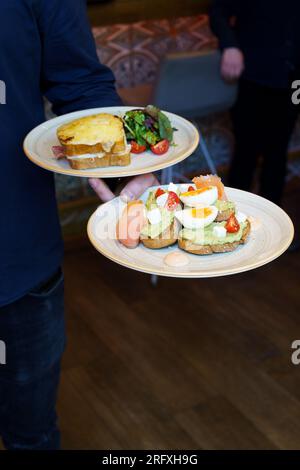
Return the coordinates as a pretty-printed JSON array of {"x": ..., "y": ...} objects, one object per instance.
[
  {"x": 151, "y": 201},
  {"x": 167, "y": 217},
  {"x": 154, "y": 230},
  {"x": 205, "y": 236},
  {"x": 223, "y": 206}
]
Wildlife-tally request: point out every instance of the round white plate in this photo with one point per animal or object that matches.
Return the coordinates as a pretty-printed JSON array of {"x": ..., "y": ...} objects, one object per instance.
[
  {"x": 272, "y": 236},
  {"x": 39, "y": 142}
]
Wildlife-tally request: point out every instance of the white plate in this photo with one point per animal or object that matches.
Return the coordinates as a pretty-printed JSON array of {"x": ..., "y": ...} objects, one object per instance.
[
  {"x": 272, "y": 237},
  {"x": 39, "y": 142}
]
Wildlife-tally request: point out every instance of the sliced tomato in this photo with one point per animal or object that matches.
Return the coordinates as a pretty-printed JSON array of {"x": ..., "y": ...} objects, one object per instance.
[
  {"x": 232, "y": 225},
  {"x": 191, "y": 188},
  {"x": 161, "y": 147},
  {"x": 159, "y": 192},
  {"x": 172, "y": 201},
  {"x": 137, "y": 148}
]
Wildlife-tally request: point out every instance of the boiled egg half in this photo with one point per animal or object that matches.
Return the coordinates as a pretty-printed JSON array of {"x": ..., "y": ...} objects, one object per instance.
[
  {"x": 203, "y": 196},
  {"x": 197, "y": 217}
]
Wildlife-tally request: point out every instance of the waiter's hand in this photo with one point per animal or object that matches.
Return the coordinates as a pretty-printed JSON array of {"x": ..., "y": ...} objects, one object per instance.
[
  {"x": 232, "y": 63},
  {"x": 133, "y": 189}
]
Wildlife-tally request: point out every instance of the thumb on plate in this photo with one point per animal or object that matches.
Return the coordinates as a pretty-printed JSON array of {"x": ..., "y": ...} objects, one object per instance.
[{"x": 137, "y": 186}]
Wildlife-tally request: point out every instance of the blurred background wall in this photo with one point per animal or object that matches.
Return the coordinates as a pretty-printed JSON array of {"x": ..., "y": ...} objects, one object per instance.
[
  {"x": 133, "y": 37},
  {"x": 115, "y": 11}
]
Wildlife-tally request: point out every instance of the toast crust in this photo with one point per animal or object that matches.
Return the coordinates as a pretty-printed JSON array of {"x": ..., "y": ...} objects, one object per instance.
[
  {"x": 167, "y": 238},
  {"x": 101, "y": 162},
  {"x": 191, "y": 247}
]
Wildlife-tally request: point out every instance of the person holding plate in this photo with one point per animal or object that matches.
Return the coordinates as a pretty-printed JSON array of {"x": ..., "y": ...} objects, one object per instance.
[{"x": 47, "y": 50}]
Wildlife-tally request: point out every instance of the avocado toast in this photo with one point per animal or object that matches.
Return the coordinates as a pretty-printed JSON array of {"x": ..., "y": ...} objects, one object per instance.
[
  {"x": 199, "y": 216},
  {"x": 205, "y": 243},
  {"x": 161, "y": 229},
  {"x": 210, "y": 223}
]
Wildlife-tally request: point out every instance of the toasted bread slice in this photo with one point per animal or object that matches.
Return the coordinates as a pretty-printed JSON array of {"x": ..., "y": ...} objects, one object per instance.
[
  {"x": 93, "y": 134},
  {"x": 166, "y": 238},
  {"x": 196, "y": 249},
  {"x": 109, "y": 159}
]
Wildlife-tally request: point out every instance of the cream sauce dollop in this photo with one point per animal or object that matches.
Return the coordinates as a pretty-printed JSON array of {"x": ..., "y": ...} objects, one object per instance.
[{"x": 176, "y": 259}]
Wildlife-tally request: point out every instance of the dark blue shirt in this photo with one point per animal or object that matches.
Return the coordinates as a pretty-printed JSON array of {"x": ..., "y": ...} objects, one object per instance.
[{"x": 46, "y": 49}]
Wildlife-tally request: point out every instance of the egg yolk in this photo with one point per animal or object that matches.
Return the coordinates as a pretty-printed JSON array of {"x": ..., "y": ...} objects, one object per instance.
[
  {"x": 201, "y": 213},
  {"x": 197, "y": 191}
]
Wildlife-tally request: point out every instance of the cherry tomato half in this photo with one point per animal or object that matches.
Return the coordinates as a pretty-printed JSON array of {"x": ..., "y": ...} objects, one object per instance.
[
  {"x": 232, "y": 225},
  {"x": 159, "y": 192},
  {"x": 172, "y": 201},
  {"x": 161, "y": 147},
  {"x": 136, "y": 148}
]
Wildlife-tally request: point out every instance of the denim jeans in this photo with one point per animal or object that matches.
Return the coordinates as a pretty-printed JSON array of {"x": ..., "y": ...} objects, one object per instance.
[{"x": 33, "y": 329}]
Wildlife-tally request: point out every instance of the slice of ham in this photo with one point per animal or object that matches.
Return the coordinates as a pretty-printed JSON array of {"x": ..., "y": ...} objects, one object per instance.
[{"x": 58, "y": 152}]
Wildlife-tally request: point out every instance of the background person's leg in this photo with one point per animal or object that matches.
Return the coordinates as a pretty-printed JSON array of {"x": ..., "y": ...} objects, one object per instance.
[
  {"x": 33, "y": 329},
  {"x": 247, "y": 131},
  {"x": 279, "y": 124}
]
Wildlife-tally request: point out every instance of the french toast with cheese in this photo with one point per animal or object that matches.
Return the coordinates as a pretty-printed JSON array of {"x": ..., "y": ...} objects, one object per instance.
[{"x": 95, "y": 141}]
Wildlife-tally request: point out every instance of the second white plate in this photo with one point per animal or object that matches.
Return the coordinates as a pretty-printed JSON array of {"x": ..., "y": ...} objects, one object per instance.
[{"x": 272, "y": 235}]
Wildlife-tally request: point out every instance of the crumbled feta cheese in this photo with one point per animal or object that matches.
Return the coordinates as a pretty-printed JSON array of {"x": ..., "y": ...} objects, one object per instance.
[
  {"x": 154, "y": 216},
  {"x": 162, "y": 199},
  {"x": 240, "y": 217},
  {"x": 219, "y": 231},
  {"x": 172, "y": 187}
]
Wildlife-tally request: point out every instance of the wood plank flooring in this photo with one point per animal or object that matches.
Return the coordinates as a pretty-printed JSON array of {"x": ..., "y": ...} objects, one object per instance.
[{"x": 187, "y": 364}]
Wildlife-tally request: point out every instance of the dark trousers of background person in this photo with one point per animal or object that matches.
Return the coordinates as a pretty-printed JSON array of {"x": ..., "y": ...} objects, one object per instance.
[
  {"x": 263, "y": 122},
  {"x": 33, "y": 329}
]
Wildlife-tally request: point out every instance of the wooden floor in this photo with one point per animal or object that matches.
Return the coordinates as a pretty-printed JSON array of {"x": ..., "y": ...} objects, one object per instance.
[{"x": 188, "y": 364}]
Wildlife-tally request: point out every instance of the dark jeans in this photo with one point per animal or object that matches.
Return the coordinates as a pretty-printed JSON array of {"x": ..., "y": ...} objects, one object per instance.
[
  {"x": 263, "y": 121},
  {"x": 33, "y": 329}
]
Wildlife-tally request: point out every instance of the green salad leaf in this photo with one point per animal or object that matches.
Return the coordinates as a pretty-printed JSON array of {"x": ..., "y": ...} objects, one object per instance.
[
  {"x": 165, "y": 127},
  {"x": 148, "y": 126}
]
